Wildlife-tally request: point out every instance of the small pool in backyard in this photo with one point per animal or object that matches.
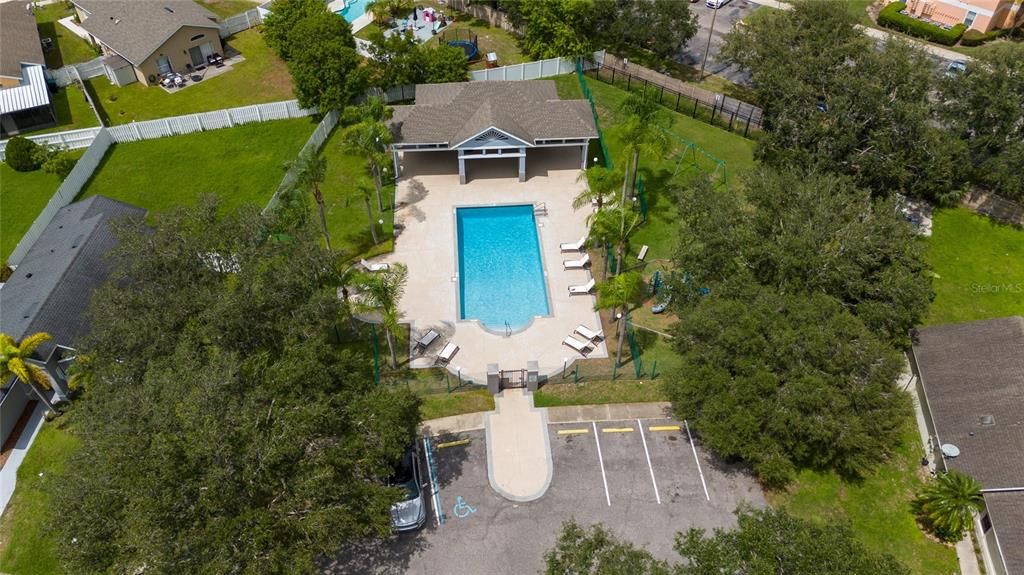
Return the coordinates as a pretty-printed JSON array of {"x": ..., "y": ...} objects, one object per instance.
[
  {"x": 353, "y": 9},
  {"x": 501, "y": 277}
]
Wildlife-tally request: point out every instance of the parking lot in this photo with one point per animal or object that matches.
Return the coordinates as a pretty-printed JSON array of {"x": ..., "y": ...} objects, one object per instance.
[{"x": 643, "y": 480}]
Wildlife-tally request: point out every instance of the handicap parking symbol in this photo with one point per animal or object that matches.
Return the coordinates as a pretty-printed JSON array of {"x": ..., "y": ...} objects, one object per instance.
[{"x": 462, "y": 509}]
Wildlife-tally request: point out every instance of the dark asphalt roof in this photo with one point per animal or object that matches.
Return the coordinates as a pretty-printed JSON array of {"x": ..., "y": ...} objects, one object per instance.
[
  {"x": 137, "y": 28},
  {"x": 49, "y": 291},
  {"x": 1006, "y": 511},
  {"x": 454, "y": 112},
  {"x": 19, "y": 39}
]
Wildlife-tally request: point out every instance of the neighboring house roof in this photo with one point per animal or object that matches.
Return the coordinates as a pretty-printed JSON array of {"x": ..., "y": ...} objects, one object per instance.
[
  {"x": 455, "y": 112},
  {"x": 973, "y": 380},
  {"x": 49, "y": 291},
  {"x": 136, "y": 29},
  {"x": 19, "y": 39},
  {"x": 32, "y": 93}
]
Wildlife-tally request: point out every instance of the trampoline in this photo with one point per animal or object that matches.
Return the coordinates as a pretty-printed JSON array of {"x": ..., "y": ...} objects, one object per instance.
[{"x": 467, "y": 46}]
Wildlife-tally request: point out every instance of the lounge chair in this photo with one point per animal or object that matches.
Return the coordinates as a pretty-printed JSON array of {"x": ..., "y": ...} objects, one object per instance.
[
  {"x": 586, "y": 333},
  {"x": 583, "y": 289},
  {"x": 427, "y": 339},
  {"x": 370, "y": 267},
  {"x": 447, "y": 353},
  {"x": 580, "y": 346},
  {"x": 577, "y": 264},
  {"x": 574, "y": 246},
  {"x": 643, "y": 253}
]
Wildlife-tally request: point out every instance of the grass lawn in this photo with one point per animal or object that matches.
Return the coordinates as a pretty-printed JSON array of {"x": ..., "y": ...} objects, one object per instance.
[
  {"x": 878, "y": 507},
  {"x": 598, "y": 392},
  {"x": 980, "y": 264},
  {"x": 22, "y": 196},
  {"x": 242, "y": 165},
  {"x": 262, "y": 77},
  {"x": 68, "y": 48},
  {"x": 227, "y": 8},
  {"x": 25, "y": 547},
  {"x": 444, "y": 404},
  {"x": 73, "y": 111}
]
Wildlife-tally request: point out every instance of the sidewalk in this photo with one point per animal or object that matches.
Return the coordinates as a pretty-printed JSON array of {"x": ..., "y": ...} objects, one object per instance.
[{"x": 519, "y": 464}]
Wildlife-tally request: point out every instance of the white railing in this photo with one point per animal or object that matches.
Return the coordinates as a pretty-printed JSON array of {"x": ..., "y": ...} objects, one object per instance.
[
  {"x": 313, "y": 144},
  {"x": 66, "y": 193},
  {"x": 240, "y": 22},
  {"x": 152, "y": 129},
  {"x": 534, "y": 70},
  {"x": 66, "y": 75}
]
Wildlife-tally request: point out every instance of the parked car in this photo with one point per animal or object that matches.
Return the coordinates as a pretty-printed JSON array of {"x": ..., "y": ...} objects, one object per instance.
[
  {"x": 411, "y": 513},
  {"x": 956, "y": 67},
  {"x": 715, "y": 4}
]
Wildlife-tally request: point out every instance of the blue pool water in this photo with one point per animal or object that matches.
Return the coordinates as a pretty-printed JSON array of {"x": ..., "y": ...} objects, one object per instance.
[
  {"x": 355, "y": 9},
  {"x": 501, "y": 278}
]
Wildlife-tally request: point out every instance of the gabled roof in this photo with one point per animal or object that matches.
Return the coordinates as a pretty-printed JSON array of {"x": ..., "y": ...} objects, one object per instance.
[
  {"x": 458, "y": 111},
  {"x": 19, "y": 39},
  {"x": 136, "y": 29},
  {"x": 49, "y": 291}
]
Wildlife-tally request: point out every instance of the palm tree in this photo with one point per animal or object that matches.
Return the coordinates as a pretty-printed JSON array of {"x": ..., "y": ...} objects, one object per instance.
[
  {"x": 370, "y": 139},
  {"x": 380, "y": 292},
  {"x": 14, "y": 361},
  {"x": 643, "y": 131},
  {"x": 601, "y": 185},
  {"x": 613, "y": 226},
  {"x": 620, "y": 293},
  {"x": 311, "y": 169},
  {"x": 948, "y": 504},
  {"x": 365, "y": 193},
  {"x": 380, "y": 9}
]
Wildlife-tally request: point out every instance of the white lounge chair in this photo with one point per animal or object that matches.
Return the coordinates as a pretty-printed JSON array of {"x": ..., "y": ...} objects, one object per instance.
[
  {"x": 427, "y": 339},
  {"x": 371, "y": 267},
  {"x": 583, "y": 289},
  {"x": 580, "y": 346},
  {"x": 643, "y": 253},
  {"x": 574, "y": 246},
  {"x": 577, "y": 264},
  {"x": 587, "y": 333},
  {"x": 447, "y": 353}
]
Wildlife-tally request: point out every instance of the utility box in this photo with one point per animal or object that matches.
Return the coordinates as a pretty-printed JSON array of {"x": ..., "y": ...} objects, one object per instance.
[
  {"x": 532, "y": 375},
  {"x": 493, "y": 379}
]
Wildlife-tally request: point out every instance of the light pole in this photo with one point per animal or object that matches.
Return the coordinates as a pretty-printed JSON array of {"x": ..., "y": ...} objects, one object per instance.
[{"x": 707, "y": 49}]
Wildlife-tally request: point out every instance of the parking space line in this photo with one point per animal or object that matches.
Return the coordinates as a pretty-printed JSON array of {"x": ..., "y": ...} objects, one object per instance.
[
  {"x": 573, "y": 431},
  {"x": 600, "y": 459},
  {"x": 663, "y": 428},
  {"x": 617, "y": 430},
  {"x": 694, "y": 448},
  {"x": 649, "y": 466},
  {"x": 452, "y": 443}
]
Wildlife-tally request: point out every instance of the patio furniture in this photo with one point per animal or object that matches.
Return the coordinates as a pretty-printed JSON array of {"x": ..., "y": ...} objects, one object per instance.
[
  {"x": 583, "y": 289},
  {"x": 589, "y": 334},
  {"x": 577, "y": 264},
  {"x": 370, "y": 267},
  {"x": 447, "y": 353},
  {"x": 179, "y": 82},
  {"x": 582, "y": 347},
  {"x": 215, "y": 59},
  {"x": 643, "y": 252},
  {"x": 428, "y": 338},
  {"x": 573, "y": 246}
]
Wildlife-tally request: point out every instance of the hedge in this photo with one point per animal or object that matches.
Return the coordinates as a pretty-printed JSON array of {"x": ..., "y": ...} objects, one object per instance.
[
  {"x": 890, "y": 17},
  {"x": 976, "y": 38}
]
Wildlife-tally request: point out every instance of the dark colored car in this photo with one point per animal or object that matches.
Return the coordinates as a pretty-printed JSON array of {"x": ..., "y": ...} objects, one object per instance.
[{"x": 411, "y": 513}]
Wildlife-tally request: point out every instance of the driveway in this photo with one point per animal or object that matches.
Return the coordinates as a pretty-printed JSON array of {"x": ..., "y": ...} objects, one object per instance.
[
  {"x": 641, "y": 478},
  {"x": 726, "y": 18}
]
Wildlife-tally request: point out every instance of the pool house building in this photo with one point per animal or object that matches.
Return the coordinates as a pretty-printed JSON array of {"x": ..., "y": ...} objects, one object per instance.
[{"x": 490, "y": 120}]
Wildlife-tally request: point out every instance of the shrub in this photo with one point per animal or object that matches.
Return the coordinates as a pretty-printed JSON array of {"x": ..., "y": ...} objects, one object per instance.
[
  {"x": 59, "y": 163},
  {"x": 976, "y": 38},
  {"x": 23, "y": 154},
  {"x": 890, "y": 17}
]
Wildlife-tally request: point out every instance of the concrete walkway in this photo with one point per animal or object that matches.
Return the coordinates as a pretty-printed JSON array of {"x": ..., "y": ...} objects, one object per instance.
[
  {"x": 966, "y": 557},
  {"x": 518, "y": 449}
]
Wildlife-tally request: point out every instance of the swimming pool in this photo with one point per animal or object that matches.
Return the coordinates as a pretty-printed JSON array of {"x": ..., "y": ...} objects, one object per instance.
[
  {"x": 353, "y": 10},
  {"x": 501, "y": 277}
]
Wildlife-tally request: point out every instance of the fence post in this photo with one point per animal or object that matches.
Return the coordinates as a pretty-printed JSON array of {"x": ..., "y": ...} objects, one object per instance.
[
  {"x": 677, "y": 101},
  {"x": 749, "y": 117},
  {"x": 733, "y": 117},
  {"x": 695, "y": 102},
  {"x": 629, "y": 80},
  {"x": 661, "y": 96},
  {"x": 135, "y": 128}
]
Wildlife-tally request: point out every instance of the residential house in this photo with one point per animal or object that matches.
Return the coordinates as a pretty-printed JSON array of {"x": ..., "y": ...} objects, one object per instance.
[
  {"x": 980, "y": 15},
  {"x": 147, "y": 39},
  {"x": 970, "y": 385},
  {"x": 49, "y": 292},
  {"x": 24, "y": 97}
]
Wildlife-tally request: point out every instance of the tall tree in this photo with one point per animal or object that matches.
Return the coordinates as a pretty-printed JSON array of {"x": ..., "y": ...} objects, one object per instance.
[
  {"x": 14, "y": 361},
  {"x": 947, "y": 504},
  {"x": 323, "y": 62},
  {"x": 621, "y": 292},
  {"x": 311, "y": 169},
  {"x": 370, "y": 138},
  {"x": 555, "y": 28},
  {"x": 380, "y": 293},
  {"x": 602, "y": 183},
  {"x": 644, "y": 131},
  {"x": 399, "y": 59},
  {"x": 614, "y": 226},
  {"x": 284, "y": 16}
]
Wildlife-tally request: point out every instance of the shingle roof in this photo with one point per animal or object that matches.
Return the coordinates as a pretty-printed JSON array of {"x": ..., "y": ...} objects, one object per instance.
[
  {"x": 1006, "y": 511},
  {"x": 19, "y": 39},
  {"x": 971, "y": 370},
  {"x": 137, "y": 28},
  {"x": 49, "y": 291},
  {"x": 454, "y": 112}
]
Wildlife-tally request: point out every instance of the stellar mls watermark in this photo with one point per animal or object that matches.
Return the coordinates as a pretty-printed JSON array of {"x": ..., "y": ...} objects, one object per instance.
[{"x": 997, "y": 288}]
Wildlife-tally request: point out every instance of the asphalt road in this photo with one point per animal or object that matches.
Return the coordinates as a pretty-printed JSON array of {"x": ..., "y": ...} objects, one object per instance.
[
  {"x": 642, "y": 495},
  {"x": 725, "y": 19}
]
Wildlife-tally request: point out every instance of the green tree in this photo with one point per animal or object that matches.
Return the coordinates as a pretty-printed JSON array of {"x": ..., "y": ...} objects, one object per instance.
[
  {"x": 555, "y": 28},
  {"x": 602, "y": 183},
  {"x": 365, "y": 193},
  {"x": 324, "y": 64},
  {"x": 399, "y": 60},
  {"x": 380, "y": 293},
  {"x": 444, "y": 63},
  {"x": 947, "y": 504},
  {"x": 370, "y": 139},
  {"x": 284, "y": 16},
  {"x": 621, "y": 292},
  {"x": 984, "y": 107},
  {"x": 14, "y": 361},
  {"x": 595, "y": 551},
  {"x": 644, "y": 130},
  {"x": 311, "y": 169},
  {"x": 614, "y": 226},
  {"x": 22, "y": 154},
  {"x": 644, "y": 28}
]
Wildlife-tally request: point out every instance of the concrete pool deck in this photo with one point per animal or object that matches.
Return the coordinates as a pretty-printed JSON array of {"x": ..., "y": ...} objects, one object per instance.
[{"x": 427, "y": 195}]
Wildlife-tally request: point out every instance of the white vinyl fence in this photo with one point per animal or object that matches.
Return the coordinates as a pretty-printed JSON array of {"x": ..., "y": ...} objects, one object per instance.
[
  {"x": 151, "y": 129},
  {"x": 66, "y": 193},
  {"x": 313, "y": 144},
  {"x": 67, "y": 75},
  {"x": 240, "y": 22},
  {"x": 534, "y": 70}
]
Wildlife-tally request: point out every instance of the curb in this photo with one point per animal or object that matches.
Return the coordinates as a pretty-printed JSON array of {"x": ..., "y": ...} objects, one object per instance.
[{"x": 560, "y": 414}]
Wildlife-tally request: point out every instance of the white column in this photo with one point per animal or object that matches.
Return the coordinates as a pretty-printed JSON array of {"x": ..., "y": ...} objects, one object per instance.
[
  {"x": 522, "y": 164},
  {"x": 462, "y": 168},
  {"x": 583, "y": 150}
]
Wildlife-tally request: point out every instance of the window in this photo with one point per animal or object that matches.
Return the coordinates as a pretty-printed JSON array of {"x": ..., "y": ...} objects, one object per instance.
[
  {"x": 969, "y": 18},
  {"x": 199, "y": 37},
  {"x": 986, "y": 523}
]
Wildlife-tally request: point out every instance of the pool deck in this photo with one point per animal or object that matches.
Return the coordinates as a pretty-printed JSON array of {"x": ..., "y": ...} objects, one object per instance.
[{"x": 428, "y": 194}]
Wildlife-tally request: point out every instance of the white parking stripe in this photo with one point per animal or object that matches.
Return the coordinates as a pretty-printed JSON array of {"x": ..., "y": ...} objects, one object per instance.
[
  {"x": 649, "y": 466},
  {"x": 600, "y": 459},
  {"x": 694, "y": 447}
]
